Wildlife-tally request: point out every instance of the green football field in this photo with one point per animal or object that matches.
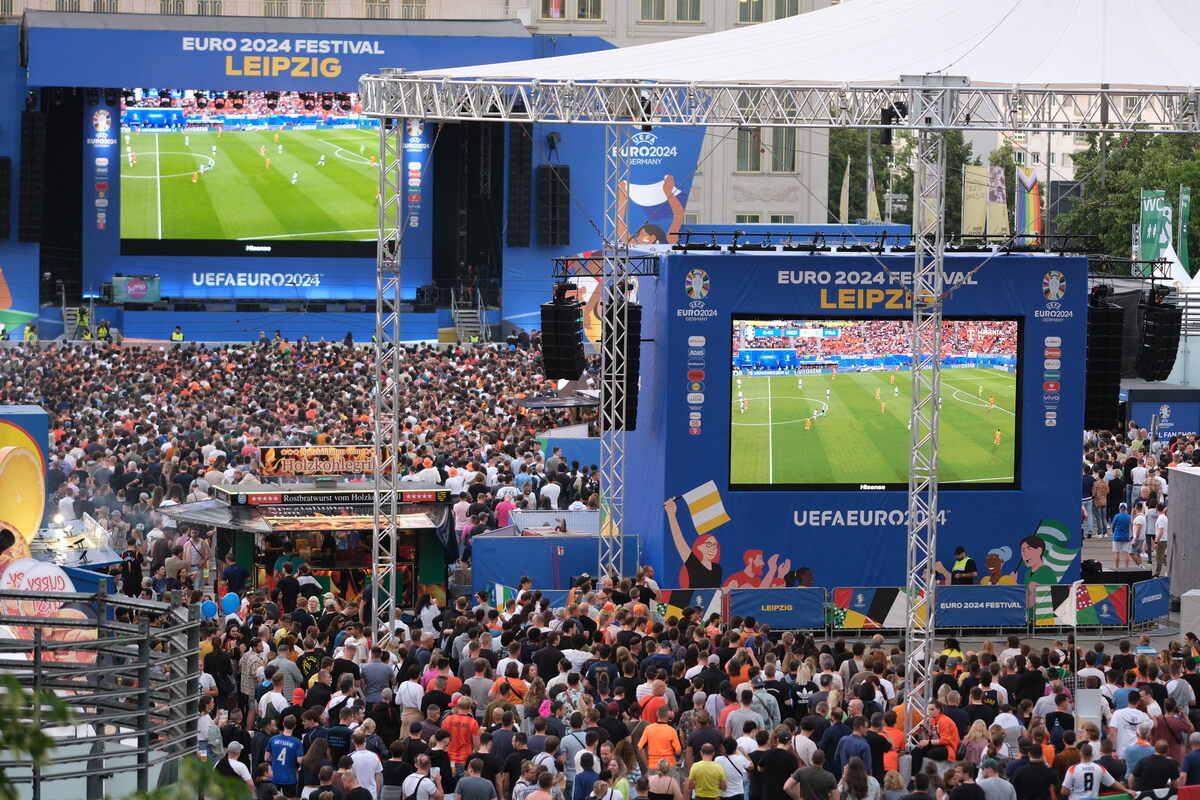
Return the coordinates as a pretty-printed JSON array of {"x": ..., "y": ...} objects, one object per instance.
[
  {"x": 238, "y": 196},
  {"x": 857, "y": 441}
]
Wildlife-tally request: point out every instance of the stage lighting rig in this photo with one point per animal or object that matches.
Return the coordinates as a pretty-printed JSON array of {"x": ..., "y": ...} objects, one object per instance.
[{"x": 1098, "y": 294}]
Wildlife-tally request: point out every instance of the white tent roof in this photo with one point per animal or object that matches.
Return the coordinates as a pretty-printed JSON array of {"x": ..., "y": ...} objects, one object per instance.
[{"x": 1152, "y": 44}]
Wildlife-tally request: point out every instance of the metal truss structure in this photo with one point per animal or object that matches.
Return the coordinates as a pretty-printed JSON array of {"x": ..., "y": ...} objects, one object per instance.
[
  {"x": 389, "y": 355},
  {"x": 928, "y": 106},
  {"x": 998, "y": 108},
  {"x": 616, "y": 287}
]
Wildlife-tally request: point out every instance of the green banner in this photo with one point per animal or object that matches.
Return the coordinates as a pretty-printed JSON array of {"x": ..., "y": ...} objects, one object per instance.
[
  {"x": 1185, "y": 210},
  {"x": 1155, "y": 230}
]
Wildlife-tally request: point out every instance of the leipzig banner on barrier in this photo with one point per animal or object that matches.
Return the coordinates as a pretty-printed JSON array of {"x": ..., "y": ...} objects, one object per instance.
[
  {"x": 981, "y": 606},
  {"x": 797, "y": 607},
  {"x": 1151, "y": 599}
]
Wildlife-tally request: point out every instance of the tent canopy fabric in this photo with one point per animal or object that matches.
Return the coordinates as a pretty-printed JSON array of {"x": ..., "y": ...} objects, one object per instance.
[{"x": 1054, "y": 44}]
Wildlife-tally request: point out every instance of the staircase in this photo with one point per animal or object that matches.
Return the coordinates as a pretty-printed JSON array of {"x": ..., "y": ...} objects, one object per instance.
[
  {"x": 470, "y": 324},
  {"x": 71, "y": 322}
]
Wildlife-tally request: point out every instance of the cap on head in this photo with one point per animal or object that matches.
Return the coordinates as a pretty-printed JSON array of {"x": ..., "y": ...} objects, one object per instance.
[{"x": 960, "y": 550}]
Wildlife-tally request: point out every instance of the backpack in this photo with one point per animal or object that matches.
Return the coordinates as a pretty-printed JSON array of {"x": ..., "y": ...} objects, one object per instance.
[
  {"x": 416, "y": 792},
  {"x": 272, "y": 713}
]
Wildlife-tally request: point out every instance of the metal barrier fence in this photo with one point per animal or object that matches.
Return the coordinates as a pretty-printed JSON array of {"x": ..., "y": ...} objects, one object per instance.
[{"x": 128, "y": 671}]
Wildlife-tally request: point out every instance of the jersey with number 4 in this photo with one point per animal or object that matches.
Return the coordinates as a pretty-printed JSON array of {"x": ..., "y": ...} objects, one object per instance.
[
  {"x": 285, "y": 752},
  {"x": 1083, "y": 780}
]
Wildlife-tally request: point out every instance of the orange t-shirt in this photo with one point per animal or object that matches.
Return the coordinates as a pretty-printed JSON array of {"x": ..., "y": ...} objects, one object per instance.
[
  {"x": 891, "y": 759},
  {"x": 660, "y": 741},
  {"x": 650, "y": 707},
  {"x": 463, "y": 730},
  {"x": 518, "y": 689}
]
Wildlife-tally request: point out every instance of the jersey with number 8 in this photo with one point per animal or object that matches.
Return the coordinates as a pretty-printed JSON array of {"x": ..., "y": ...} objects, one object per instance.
[{"x": 1083, "y": 780}]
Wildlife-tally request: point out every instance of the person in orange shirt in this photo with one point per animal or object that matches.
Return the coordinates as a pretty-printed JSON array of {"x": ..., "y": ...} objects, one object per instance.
[
  {"x": 891, "y": 759},
  {"x": 656, "y": 701},
  {"x": 464, "y": 733},
  {"x": 660, "y": 741},
  {"x": 943, "y": 738}
]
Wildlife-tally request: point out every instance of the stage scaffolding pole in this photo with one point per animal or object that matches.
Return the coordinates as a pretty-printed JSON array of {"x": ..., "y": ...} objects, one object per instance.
[{"x": 388, "y": 409}]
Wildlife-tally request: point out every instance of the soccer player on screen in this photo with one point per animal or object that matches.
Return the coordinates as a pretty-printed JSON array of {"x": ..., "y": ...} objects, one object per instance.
[
  {"x": 295, "y": 177},
  {"x": 808, "y": 424},
  {"x": 214, "y": 149},
  {"x": 892, "y": 379},
  {"x": 895, "y": 391},
  {"x": 996, "y": 440},
  {"x": 262, "y": 150},
  {"x": 991, "y": 402},
  {"x": 277, "y": 138},
  {"x": 799, "y": 383},
  {"x": 280, "y": 149},
  {"x": 883, "y": 408},
  {"x": 187, "y": 141},
  {"x": 195, "y": 177},
  {"x": 981, "y": 390},
  {"x": 321, "y": 160},
  {"x": 876, "y": 392},
  {"x": 826, "y": 393}
]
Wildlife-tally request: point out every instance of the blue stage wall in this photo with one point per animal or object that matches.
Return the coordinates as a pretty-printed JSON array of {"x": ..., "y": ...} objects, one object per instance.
[
  {"x": 20, "y": 270},
  {"x": 848, "y": 538}
]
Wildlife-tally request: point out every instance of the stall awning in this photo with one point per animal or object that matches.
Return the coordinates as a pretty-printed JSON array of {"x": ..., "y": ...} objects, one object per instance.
[{"x": 300, "y": 517}]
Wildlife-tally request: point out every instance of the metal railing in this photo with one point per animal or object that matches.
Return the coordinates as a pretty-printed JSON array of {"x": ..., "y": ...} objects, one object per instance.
[
  {"x": 331, "y": 9},
  {"x": 128, "y": 671}
]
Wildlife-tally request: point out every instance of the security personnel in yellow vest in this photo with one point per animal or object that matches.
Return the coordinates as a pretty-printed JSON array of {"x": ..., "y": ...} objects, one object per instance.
[
  {"x": 81, "y": 320},
  {"x": 964, "y": 570},
  {"x": 30, "y": 332},
  {"x": 102, "y": 331},
  {"x": 3, "y": 333},
  {"x": 177, "y": 335},
  {"x": 85, "y": 334}
]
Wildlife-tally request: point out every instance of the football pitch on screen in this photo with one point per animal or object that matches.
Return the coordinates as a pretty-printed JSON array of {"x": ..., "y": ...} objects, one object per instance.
[
  {"x": 856, "y": 438},
  {"x": 179, "y": 188}
]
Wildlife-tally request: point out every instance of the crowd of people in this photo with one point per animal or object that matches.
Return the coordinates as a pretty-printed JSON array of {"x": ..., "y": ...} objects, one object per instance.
[
  {"x": 250, "y": 103},
  {"x": 596, "y": 701}
]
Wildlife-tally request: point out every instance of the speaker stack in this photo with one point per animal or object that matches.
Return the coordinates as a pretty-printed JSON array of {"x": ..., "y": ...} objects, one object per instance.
[
  {"x": 1105, "y": 333},
  {"x": 1161, "y": 322},
  {"x": 621, "y": 379},
  {"x": 33, "y": 176},
  {"x": 554, "y": 205},
  {"x": 562, "y": 340},
  {"x": 520, "y": 185}
]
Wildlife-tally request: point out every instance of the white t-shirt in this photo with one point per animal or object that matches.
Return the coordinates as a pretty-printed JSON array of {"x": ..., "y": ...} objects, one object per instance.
[
  {"x": 1139, "y": 528},
  {"x": 804, "y": 747},
  {"x": 1084, "y": 780},
  {"x": 735, "y": 771},
  {"x": 1160, "y": 528},
  {"x": 239, "y": 769},
  {"x": 418, "y": 787},
  {"x": 366, "y": 767},
  {"x": 552, "y": 490},
  {"x": 1126, "y": 721}
]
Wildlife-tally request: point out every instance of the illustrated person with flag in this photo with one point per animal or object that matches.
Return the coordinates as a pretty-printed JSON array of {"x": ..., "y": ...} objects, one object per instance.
[{"x": 701, "y": 561}]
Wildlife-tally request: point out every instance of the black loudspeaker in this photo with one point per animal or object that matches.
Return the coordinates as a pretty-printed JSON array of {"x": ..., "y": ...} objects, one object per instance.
[
  {"x": 621, "y": 378},
  {"x": 33, "y": 177},
  {"x": 1105, "y": 334},
  {"x": 520, "y": 185},
  {"x": 1160, "y": 341},
  {"x": 562, "y": 340},
  {"x": 554, "y": 205},
  {"x": 1125, "y": 575},
  {"x": 5, "y": 197}
]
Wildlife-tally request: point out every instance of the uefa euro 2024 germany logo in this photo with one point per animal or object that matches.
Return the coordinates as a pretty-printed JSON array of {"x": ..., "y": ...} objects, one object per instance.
[
  {"x": 696, "y": 282},
  {"x": 102, "y": 120}
]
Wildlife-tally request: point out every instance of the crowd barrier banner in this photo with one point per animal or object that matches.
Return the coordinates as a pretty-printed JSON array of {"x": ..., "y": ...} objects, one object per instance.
[
  {"x": 981, "y": 607},
  {"x": 781, "y": 608},
  {"x": 1151, "y": 599},
  {"x": 858, "y": 607},
  {"x": 1088, "y": 605}
]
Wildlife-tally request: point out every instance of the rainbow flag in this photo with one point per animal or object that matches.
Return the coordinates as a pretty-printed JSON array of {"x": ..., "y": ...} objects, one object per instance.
[{"x": 1028, "y": 207}]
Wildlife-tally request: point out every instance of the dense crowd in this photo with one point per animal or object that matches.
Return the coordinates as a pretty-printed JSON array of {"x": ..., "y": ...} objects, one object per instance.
[
  {"x": 136, "y": 429},
  {"x": 595, "y": 701},
  {"x": 253, "y": 104}
]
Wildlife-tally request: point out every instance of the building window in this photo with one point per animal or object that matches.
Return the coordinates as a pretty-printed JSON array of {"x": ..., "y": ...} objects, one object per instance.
[
  {"x": 164, "y": 7},
  {"x": 1035, "y": 157},
  {"x": 687, "y": 10},
  {"x": 553, "y": 9},
  {"x": 275, "y": 8},
  {"x": 1080, "y": 137},
  {"x": 1130, "y": 104},
  {"x": 654, "y": 11},
  {"x": 1018, "y": 157},
  {"x": 315, "y": 9},
  {"x": 378, "y": 9},
  {"x": 412, "y": 9},
  {"x": 746, "y": 219},
  {"x": 750, "y": 11},
  {"x": 749, "y": 150},
  {"x": 786, "y": 8},
  {"x": 590, "y": 9},
  {"x": 1052, "y": 154},
  {"x": 691, "y": 218},
  {"x": 783, "y": 150},
  {"x": 783, "y": 219}
]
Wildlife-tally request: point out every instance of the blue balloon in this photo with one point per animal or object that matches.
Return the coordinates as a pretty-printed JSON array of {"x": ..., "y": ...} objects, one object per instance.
[
  {"x": 208, "y": 609},
  {"x": 230, "y": 603}
]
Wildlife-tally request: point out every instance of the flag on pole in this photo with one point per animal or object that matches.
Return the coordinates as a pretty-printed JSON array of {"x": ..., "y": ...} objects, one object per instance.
[
  {"x": 705, "y": 506},
  {"x": 873, "y": 214},
  {"x": 501, "y": 594},
  {"x": 1028, "y": 206},
  {"x": 844, "y": 205},
  {"x": 975, "y": 199},
  {"x": 997, "y": 203},
  {"x": 1154, "y": 230},
  {"x": 1181, "y": 240}
]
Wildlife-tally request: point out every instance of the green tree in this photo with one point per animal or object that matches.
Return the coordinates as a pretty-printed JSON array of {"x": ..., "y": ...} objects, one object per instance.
[
  {"x": 958, "y": 154},
  {"x": 1114, "y": 169}
]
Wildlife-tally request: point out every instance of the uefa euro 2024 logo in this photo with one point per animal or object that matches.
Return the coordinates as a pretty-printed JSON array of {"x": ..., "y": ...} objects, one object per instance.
[
  {"x": 1054, "y": 285},
  {"x": 1164, "y": 412},
  {"x": 414, "y": 127},
  {"x": 696, "y": 282},
  {"x": 102, "y": 120}
]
